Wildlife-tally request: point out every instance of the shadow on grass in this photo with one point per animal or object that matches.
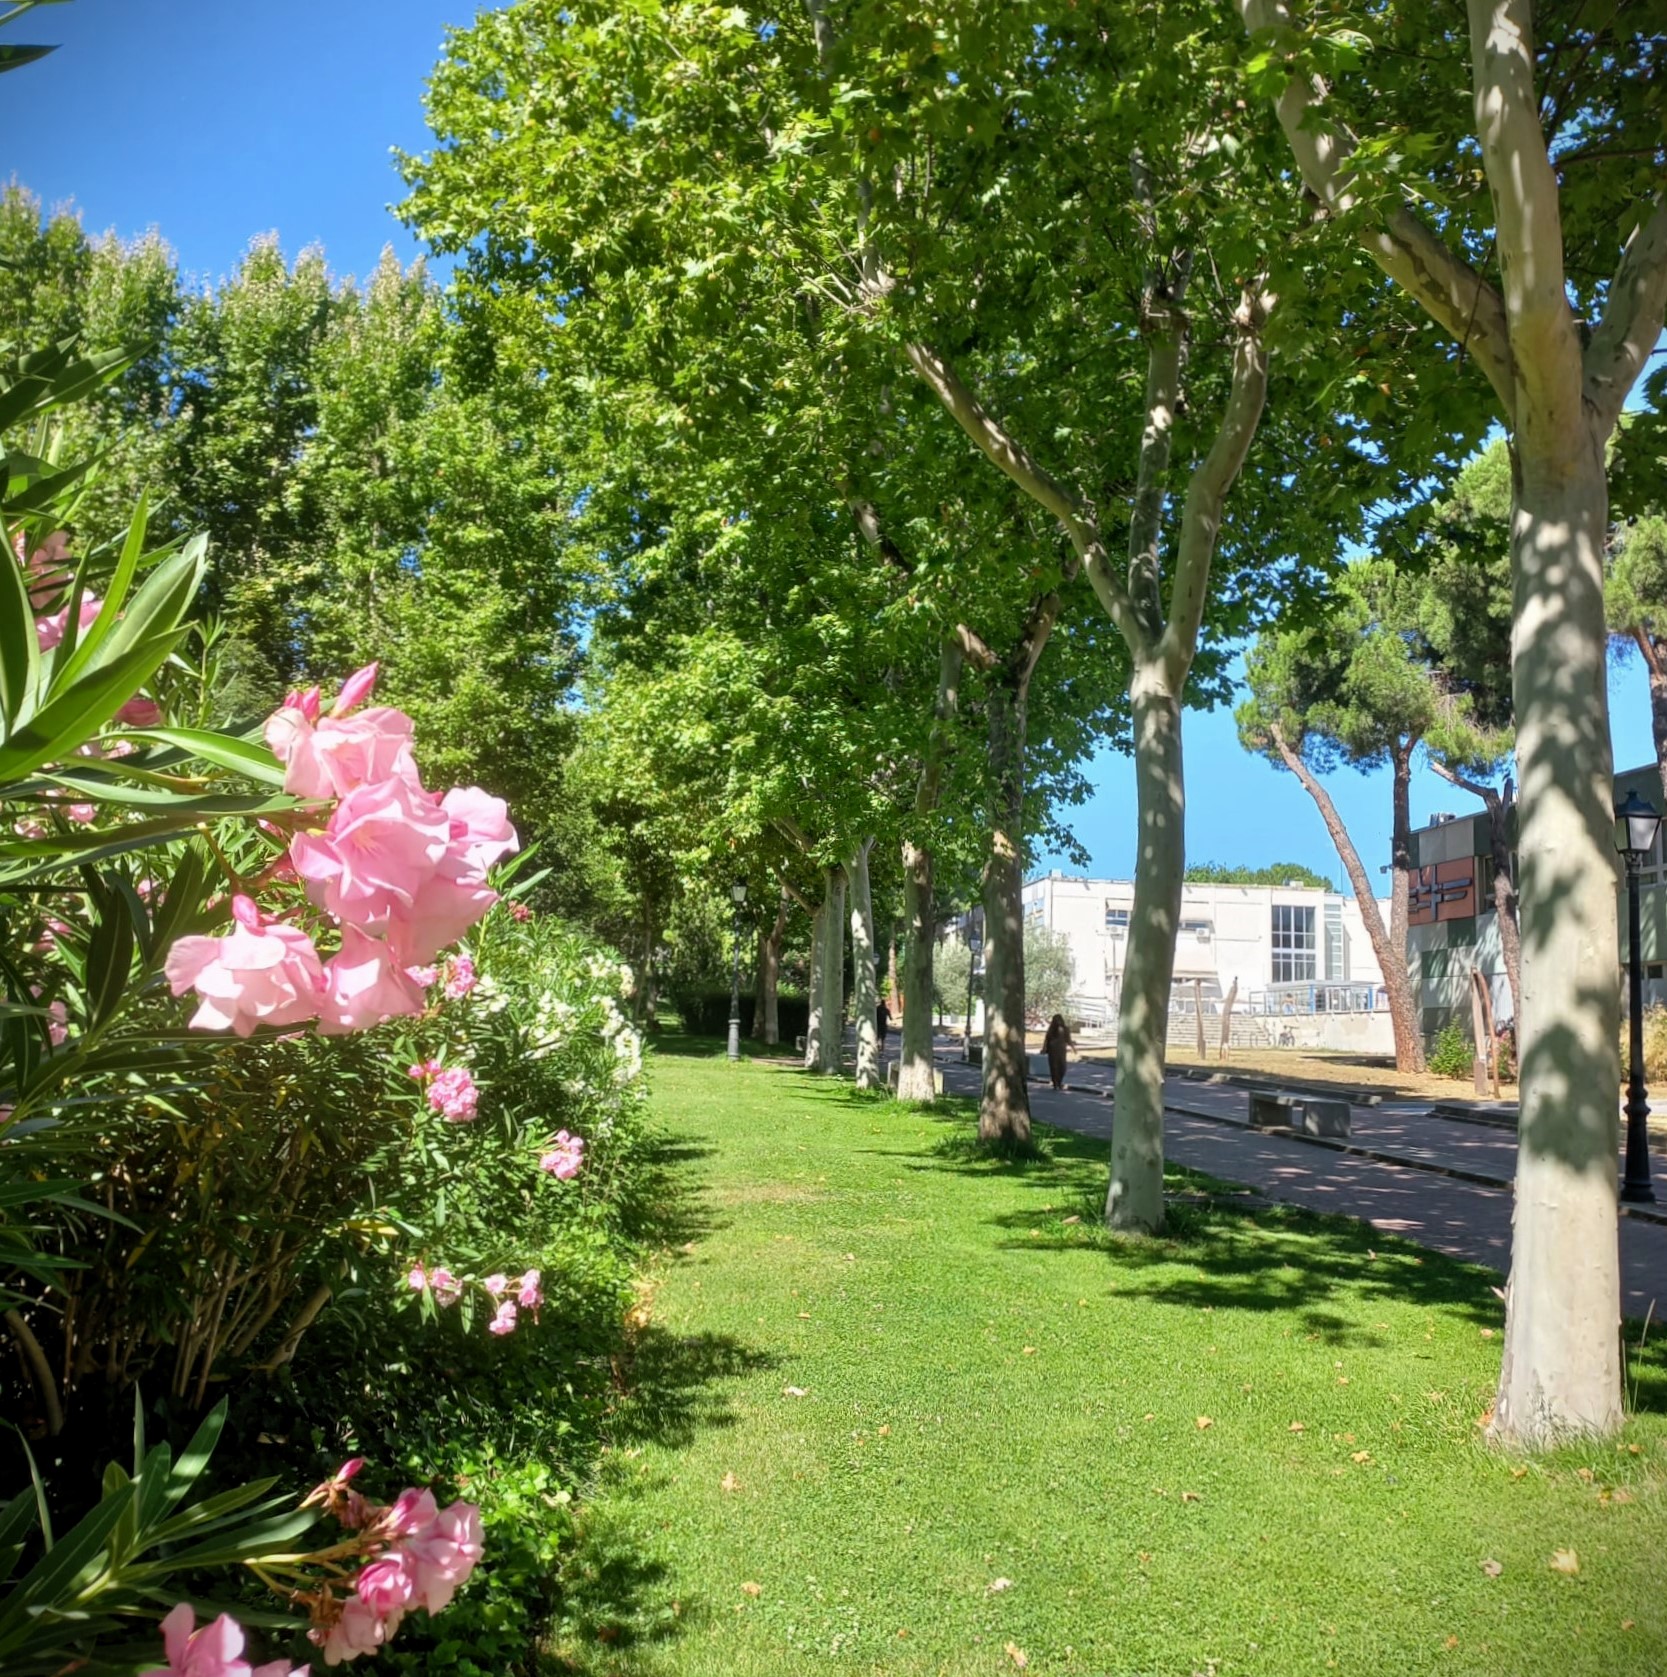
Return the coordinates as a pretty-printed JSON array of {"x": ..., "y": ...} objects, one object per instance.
[{"x": 668, "y": 1383}]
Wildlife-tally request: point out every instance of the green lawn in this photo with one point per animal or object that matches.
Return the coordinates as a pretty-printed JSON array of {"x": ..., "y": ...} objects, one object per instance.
[{"x": 895, "y": 1410}]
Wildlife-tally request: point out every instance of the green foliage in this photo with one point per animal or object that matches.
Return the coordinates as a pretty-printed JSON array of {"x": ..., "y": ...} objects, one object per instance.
[
  {"x": 1452, "y": 1053},
  {"x": 705, "y": 1012},
  {"x": 1275, "y": 873},
  {"x": 1050, "y": 973}
]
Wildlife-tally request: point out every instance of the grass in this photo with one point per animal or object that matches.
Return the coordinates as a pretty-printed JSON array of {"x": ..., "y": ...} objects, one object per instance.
[{"x": 894, "y": 1409}]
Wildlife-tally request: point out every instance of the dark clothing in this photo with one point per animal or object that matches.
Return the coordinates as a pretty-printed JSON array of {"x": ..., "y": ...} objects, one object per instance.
[
  {"x": 1055, "y": 1045},
  {"x": 882, "y": 1022}
]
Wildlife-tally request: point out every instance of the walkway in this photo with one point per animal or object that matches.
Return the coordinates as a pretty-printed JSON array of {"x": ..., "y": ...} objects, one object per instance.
[{"x": 1405, "y": 1190}]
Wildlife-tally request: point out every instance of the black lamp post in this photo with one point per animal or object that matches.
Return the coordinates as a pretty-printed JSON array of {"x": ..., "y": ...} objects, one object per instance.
[
  {"x": 1638, "y": 823},
  {"x": 975, "y": 947},
  {"x": 737, "y": 896}
]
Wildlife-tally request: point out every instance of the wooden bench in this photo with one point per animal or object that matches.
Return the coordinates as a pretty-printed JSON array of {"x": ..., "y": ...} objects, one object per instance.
[{"x": 1297, "y": 1109}]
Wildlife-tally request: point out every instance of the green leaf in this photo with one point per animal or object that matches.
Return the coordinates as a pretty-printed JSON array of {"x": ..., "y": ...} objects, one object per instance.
[{"x": 225, "y": 751}]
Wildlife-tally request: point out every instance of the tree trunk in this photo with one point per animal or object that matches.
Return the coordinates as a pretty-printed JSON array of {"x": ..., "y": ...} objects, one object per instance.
[
  {"x": 1403, "y": 1004},
  {"x": 865, "y": 987},
  {"x": 1135, "y": 1198},
  {"x": 765, "y": 1018},
  {"x": 1658, "y": 704},
  {"x": 916, "y": 1078},
  {"x": 649, "y": 996},
  {"x": 894, "y": 988},
  {"x": 1004, "y": 1108},
  {"x": 818, "y": 961},
  {"x": 1562, "y": 1369},
  {"x": 831, "y": 1058},
  {"x": 1392, "y": 956}
]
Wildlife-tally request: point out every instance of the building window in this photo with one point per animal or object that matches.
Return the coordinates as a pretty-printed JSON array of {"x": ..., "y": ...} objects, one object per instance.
[
  {"x": 1336, "y": 945},
  {"x": 1117, "y": 919},
  {"x": 1034, "y": 908},
  {"x": 1293, "y": 944}
]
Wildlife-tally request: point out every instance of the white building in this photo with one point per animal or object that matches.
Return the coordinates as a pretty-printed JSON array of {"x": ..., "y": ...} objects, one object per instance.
[{"x": 1303, "y": 967}]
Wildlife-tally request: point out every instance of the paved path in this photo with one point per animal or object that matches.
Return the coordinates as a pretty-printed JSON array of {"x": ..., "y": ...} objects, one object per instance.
[{"x": 1464, "y": 1219}]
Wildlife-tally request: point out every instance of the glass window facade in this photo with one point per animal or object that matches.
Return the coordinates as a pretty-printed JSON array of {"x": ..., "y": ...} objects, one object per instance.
[{"x": 1293, "y": 944}]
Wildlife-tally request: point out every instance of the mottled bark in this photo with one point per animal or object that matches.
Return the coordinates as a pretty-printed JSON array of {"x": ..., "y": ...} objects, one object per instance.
[
  {"x": 916, "y": 1078},
  {"x": 830, "y": 1060},
  {"x": 1004, "y": 1107},
  {"x": 817, "y": 985},
  {"x": 765, "y": 1008},
  {"x": 865, "y": 988}
]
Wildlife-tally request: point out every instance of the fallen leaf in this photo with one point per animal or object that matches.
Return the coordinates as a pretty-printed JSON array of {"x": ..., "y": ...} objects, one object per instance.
[
  {"x": 1487, "y": 1333},
  {"x": 1584, "y": 1473},
  {"x": 1070, "y": 1220},
  {"x": 804, "y": 1315},
  {"x": 1297, "y": 1426},
  {"x": 1565, "y": 1560},
  {"x": 1371, "y": 1254},
  {"x": 794, "y": 1391},
  {"x": 1451, "y": 1642},
  {"x": 1202, "y": 1422},
  {"x": 1030, "y": 1350},
  {"x": 999, "y": 1584},
  {"x": 885, "y": 1432},
  {"x": 729, "y": 1483},
  {"x": 1492, "y": 1568},
  {"x": 1149, "y": 1416},
  {"x": 1627, "y": 1624},
  {"x": 1620, "y": 1495},
  {"x": 1017, "y": 1655},
  {"x": 1191, "y": 1496},
  {"x": 1361, "y": 1457},
  {"x": 1342, "y": 1379},
  {"x": 752, "y": 1589},
  {"x": 1519, "y": 1472}
]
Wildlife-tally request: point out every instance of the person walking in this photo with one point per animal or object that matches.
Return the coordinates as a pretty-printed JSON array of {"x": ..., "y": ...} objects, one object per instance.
[
  {"x": 882, "y": 1024},
  {"x": 1056, "y": 1045}
]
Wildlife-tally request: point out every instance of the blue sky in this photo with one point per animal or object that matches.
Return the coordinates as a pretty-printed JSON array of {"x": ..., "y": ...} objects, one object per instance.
[{"x": 216, "y": 120}]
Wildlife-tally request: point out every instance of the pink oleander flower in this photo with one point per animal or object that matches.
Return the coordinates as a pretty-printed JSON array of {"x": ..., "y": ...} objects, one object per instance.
[
  {"x": 409, "y": 1512},
  {"x": 355, "y": 690},
  {"x": 363, "y": 985},
  {"x": 565, "y": 1156},
  {"x": 424, "y": 1069},
  {"x": 260, "y": 973},
  {"x": 334, "y": 755},
  {"x": 422, "y": 977},
  {"x": 386, "y": 1585},
  {"x": 139, "y": 712},
  {"x": 453, "y": 1094},
  {"x": 447, "y": 1288},
  {"x": 381, "y": 848},
  {"x": 214, "y": 1651},
  {"x": 47, "y": 565},
  {"x": 528, "y": 1294},
  {"x": 337, "y": 1497},
  {"x": 480, "y": 825},
  {"x": 83, "y": 815},
  {"x": 417, "y": 1279},
  {"x": 520, "y": 911},
  {"x": 57, "y": 1025},
  {"x": 358, "y": 1629},
  {"x": 460, "y": 978},
  {"x": 443, "y": 1555},
  {"x": 504, "y": 1321},
  {"x": 50, "y": 630},
  {"x": 496, "y": 1285},
  {"x": 29, "y": 828}
]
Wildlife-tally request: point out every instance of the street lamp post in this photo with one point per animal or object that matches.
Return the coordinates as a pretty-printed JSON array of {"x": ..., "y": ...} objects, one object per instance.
[
  {"x": 1638, "y": 824},
  {"x": 737, "y": 896}
]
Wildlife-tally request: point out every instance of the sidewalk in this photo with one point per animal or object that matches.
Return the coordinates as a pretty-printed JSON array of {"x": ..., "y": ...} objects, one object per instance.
[{"x": 1467, "y": 1217}]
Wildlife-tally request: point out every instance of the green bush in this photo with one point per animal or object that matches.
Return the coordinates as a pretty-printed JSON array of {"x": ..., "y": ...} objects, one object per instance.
[
  {"x": 705, "y": 1012},
  {"x": 1452, "y": 1053}
]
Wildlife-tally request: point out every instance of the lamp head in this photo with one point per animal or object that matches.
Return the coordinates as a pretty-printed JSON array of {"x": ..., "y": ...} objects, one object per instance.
[
  {"x": 1637, "y": 822},
  {"x": 738, "y": 892}
]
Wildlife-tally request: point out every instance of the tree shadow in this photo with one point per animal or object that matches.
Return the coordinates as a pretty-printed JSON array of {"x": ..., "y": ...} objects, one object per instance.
[{"x": 667, "y": 1384}]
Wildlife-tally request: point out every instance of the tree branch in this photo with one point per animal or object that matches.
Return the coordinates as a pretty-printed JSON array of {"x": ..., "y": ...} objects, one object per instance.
[
  {"x": 1449, "y": 290},
  {"x": 1631, "y": 320},
  {"x": 974, "y": 648},
  {"x": 1157, "y": 436},
  {"x": 1207, "y": 491}
]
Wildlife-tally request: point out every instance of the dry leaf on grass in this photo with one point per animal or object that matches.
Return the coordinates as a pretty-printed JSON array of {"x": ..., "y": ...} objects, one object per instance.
[
  {"x": 752, "y": 1589},
  {"x": 998, "y": 1585},
  {"x": 1191, "y": 1496},
  {"x": 1203, "y": 1421},
  {"x": 794, "y": 1391},
  {"x": 1297, "y": 1426},
  {"x": 1492, "y": 1568},
  {"x": 1361, "y": 1457},
  {"x": 804, "y": 1315},
  {"x": 1565, "y": 1560},
  {"x": 1070, "y": 1220},
  {"x": 885, "y": 1432},
  {"x": 729, "y": 1483},
  {"x": 1017, "y": 1655}
]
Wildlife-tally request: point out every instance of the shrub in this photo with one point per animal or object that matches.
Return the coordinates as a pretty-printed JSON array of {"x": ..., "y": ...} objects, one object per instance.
[
  {"x": 1452, "y": 1053},
  {"x": 705, "y": 1012}
]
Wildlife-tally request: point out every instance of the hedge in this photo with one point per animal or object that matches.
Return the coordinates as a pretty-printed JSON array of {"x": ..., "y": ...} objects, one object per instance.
[{"x": 706, "y": 1013}]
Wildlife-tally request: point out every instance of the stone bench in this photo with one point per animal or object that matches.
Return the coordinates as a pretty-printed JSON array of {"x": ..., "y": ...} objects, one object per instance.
[{"x": 1307, "y": 1114}]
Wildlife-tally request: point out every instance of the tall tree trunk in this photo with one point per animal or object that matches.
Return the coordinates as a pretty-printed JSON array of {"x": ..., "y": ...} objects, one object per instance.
[
  {"x": 1562, "y": 1369},
  {"x": 1004, "y": 1108},
  {"x": 916, "y": 1077},
  {"x": 817, "y": 985},
  {"x": 894, "y": 985},
  {"x": 831, "y": 1058},
  {"x": 765, "y": 1016},
  {"x": 649, "y": 989},
  {"x": 1409, "y": 1033},
  {"x": 1135, "y": 1198},
  {"x": 1391, "y": 953},
  {"x": 1651, "y": 648},
  {"x": 865, "y": 987}
]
